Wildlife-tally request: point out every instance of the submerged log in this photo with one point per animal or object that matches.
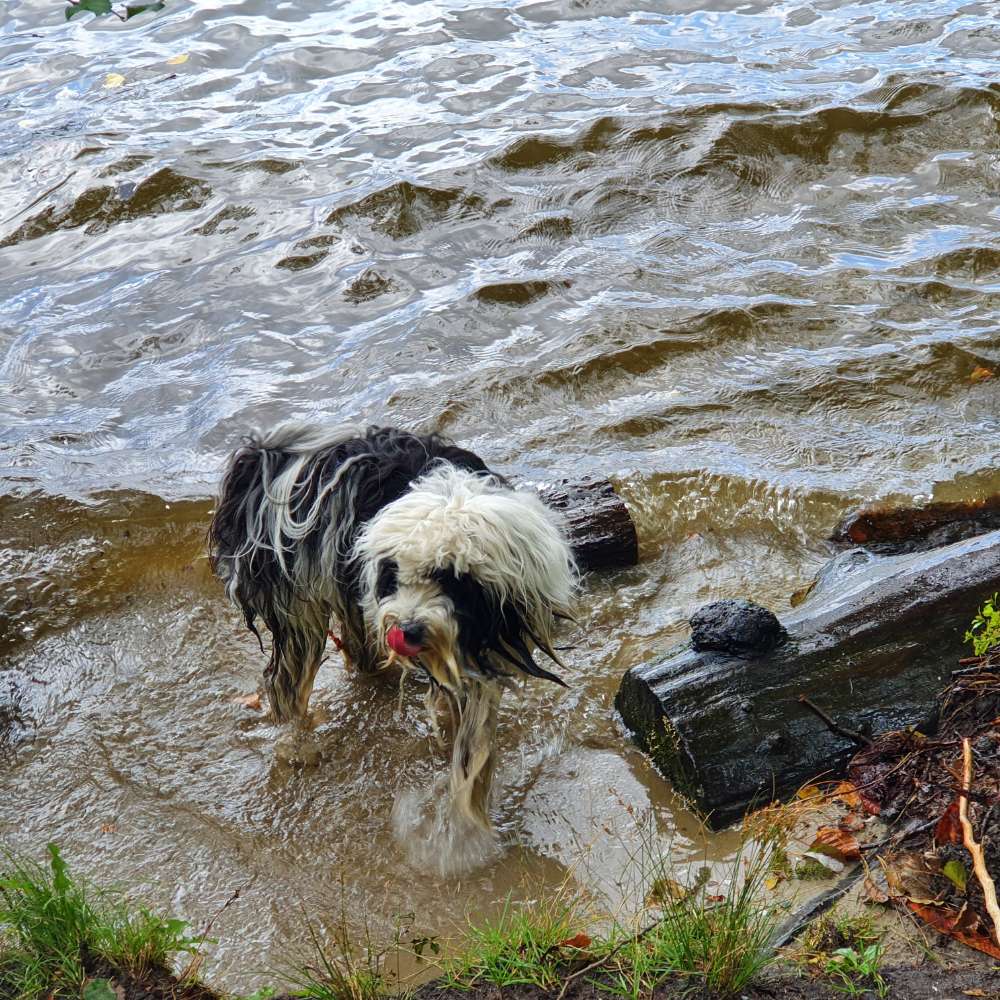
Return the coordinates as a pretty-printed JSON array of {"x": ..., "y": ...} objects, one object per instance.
[
  {"x": 871, "y": 648},
  {"x": 910, "y": 529},
  {"x": 601, "y": 530}
]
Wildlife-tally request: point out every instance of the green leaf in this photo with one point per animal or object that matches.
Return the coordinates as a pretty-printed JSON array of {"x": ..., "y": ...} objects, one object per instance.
[
  {"x": 60, "y": 872},
  {"x": 94, "y": 6},
  {"x": 99, "y": 989},
  {"x": 955, "y": 871},
  {"x": 132, "y": 11}
]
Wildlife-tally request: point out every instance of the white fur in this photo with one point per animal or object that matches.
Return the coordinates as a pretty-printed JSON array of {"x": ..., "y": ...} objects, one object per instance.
[{"x": 451, "y": 519}]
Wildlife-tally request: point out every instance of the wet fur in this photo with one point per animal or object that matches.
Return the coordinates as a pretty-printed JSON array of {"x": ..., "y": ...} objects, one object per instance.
[{"x": 360, "y": 530}]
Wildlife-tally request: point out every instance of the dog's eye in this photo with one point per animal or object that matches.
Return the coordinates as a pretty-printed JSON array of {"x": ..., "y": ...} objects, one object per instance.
[{"x": 387, "y": 582}]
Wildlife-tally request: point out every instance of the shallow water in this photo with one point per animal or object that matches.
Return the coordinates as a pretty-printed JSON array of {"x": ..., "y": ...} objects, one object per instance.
[{"x": 741, "y": 258}]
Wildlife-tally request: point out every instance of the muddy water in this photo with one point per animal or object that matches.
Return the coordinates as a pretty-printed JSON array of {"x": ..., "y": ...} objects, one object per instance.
[{"x": 744, "y": 259}]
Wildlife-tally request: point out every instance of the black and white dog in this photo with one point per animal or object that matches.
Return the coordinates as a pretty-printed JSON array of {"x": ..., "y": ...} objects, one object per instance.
[{"x": 410, "y": 546}]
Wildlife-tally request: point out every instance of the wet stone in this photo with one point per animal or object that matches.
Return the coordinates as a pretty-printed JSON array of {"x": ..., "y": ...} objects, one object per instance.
[{"x": 736, "y": 627}]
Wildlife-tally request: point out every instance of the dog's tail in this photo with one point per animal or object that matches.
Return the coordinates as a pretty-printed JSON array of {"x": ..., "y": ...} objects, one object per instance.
[{"x": 274, "y": 541}]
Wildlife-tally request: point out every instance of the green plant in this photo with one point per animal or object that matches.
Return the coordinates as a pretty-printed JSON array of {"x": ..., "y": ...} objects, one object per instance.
[
  {"x": 524, "y": 945},
  {"x": 721, "y": 940},
  {"x": 984, "y": 632},
  {"x": 855, "y": 972},
  {"x": 53, "y": 928},
  {"x": 125, "y": 12}
]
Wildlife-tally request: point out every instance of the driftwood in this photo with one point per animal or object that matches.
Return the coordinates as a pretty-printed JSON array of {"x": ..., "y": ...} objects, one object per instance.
[
  {"x": 872, "y": 646},
  {"x": 600, "y": 527}
]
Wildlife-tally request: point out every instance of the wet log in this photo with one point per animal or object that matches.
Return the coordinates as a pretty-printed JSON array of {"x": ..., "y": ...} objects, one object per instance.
[
  {"x": 910, "y": 529},
  {"x": 872, "y": 647},
  {"x": 601, "y": 531}
]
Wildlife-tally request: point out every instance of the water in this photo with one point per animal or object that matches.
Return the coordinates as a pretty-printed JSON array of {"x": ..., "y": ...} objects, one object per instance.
[{"x": 742, "y": 259}]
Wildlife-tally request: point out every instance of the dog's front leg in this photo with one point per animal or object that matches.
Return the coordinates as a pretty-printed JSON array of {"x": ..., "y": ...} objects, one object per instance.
[{"x": 473, "y": 756}]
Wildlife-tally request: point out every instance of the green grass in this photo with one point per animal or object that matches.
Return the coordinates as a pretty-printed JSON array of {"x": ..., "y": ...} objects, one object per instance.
[
  {"x": 525, "y": 945},
  {"x": 53, "y": 927},
  {"x": 717, "y": 937}
]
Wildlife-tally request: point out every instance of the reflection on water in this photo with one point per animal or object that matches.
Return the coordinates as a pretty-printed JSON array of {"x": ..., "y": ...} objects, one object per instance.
[{"x": 742, "y": 258}]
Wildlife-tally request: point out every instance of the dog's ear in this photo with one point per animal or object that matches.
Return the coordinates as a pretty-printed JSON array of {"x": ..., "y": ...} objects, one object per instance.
[{"x": 489, "y": 624}]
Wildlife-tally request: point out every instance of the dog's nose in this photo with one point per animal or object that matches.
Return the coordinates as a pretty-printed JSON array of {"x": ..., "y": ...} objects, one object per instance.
[{"x": 414, "y": 633}]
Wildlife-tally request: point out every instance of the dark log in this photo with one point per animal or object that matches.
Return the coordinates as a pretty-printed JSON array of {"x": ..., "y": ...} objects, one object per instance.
[
  {"x": 601, "y": 530},
  {"x": 911, "y": 529},
  {"x": 872, "y": 647}
]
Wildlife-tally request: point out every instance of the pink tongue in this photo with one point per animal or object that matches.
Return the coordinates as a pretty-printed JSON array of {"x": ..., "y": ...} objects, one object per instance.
[{"x": 397, "y": 641}]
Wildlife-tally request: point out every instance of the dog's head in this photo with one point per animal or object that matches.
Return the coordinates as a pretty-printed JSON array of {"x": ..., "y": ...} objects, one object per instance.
[{"x": 465, "y": 574}]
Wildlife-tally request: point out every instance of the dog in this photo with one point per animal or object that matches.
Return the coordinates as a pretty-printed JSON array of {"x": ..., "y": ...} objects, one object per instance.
[{"x": 415, "y": 551}]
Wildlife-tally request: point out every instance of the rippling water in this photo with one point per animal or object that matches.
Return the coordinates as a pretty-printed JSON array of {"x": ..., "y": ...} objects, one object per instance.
[{"x": 744, "y": 259}]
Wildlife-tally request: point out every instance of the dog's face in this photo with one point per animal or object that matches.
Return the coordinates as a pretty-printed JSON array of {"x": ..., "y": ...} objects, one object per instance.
[{"x": 462, "y": 574}]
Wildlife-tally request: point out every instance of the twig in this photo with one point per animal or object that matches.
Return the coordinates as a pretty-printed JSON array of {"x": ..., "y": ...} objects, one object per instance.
[
  {"x": 196, "y": 959},
  {"x": 848, "y": 734},
  {"x": 968, "y": 839},
  {"x": 597, "y": 963}
]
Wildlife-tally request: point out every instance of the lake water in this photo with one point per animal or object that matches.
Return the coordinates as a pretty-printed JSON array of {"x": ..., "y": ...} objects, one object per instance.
[{"x": 741, "y": 258}]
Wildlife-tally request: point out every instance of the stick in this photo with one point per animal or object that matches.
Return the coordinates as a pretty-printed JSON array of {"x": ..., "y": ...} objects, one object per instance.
[
  {"x": 848, "y": 734},
  {"x": 968, "y": 839}
]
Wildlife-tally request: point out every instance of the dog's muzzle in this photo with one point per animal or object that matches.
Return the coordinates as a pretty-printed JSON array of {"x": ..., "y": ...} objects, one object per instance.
[{"x": 407, "y": 639}]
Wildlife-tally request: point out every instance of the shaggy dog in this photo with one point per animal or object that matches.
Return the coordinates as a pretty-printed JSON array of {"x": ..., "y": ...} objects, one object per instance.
[{"x": 415, "y": 551}]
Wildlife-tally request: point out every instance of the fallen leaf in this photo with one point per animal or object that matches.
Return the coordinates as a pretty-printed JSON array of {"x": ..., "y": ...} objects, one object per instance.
[
  {"x": 913, "y": 876},
  {"x": 974, "y": 992},
  {"x": 580, "y": 941},
  {"x": 178, "y": 59},
  {"x": 808, "y": 792},
  {"x": 949, "y": 828},
  {"x": 956, "y": 924},
  {"x": 980, "y": 374},
  {"x": 114, "y": 80},
  {"x": 836, "y": 843},
  {"x": 771, "y": 882},
  {"x": 251, "y": 701},
  {"x": 848, "y": 794},
  {"x": 955, "y": 872},
  {"x": 109, "y": 828},
  {"x": 875, "y": 893}
]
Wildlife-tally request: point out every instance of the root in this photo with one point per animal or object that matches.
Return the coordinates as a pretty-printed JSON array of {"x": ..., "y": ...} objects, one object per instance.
[{"x": 968, "y": 839}]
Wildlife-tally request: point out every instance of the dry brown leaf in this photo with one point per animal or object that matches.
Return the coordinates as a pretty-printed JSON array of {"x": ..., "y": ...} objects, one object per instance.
[
  {"x": 580, "y": 941},
  {"x": 959, "y": 924},
  {"x": 109, "y": 828},
  {"x": 974, "y": 992},
  {"x": 251, "y": 701},
  {"x": 875, "y": 893},
  {"x": 847, "y": 793},
  {"x": 809, "y": 792},
  {"x": 836, "y": 843},
  {"x": 981, "y": 374},
  {"x": 949, "y": 829}
]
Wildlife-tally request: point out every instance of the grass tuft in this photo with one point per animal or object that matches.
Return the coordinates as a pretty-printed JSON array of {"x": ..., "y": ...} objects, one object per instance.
[
  {"x": 53, "y": 928},
  {"x": 720, "y": 941},
  {"x": 525, "y": 945}
]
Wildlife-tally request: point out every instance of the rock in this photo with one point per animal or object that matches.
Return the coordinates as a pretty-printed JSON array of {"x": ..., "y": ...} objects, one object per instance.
[{"x": 740, "y": 628}]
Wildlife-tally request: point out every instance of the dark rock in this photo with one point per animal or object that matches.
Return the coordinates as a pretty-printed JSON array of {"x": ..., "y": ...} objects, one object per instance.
[{"x": 739, "y": 628}]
